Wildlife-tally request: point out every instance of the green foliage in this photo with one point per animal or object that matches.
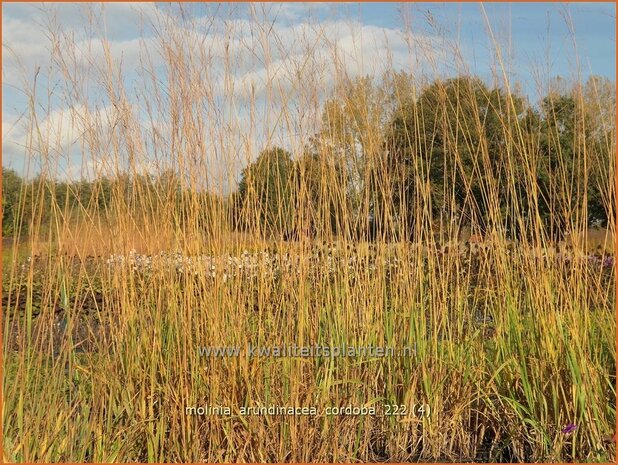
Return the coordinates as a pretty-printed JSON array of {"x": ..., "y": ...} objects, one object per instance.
[
  {"x": 574, "y": 156},
  {"x": 459, "y": 149},
  {"x": 12, "y": 186},
  {"x": 144, "y": 197},
  {"x": 266, "y": 189},
  {"x": 447, "y": 148}
]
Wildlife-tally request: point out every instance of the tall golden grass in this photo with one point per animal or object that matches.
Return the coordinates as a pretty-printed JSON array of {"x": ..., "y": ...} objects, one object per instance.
[{"x": 510, "y": 348}]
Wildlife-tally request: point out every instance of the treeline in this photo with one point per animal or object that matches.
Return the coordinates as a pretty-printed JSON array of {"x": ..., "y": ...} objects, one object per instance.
[
  {"x": 390, "y": 162},
  {"x": 30, "y": 204}
]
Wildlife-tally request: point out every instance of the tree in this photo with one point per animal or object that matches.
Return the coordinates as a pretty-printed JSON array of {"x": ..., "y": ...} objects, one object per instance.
[
  {"x": 265, "y": 191},
  {"x": 599, "y": 101},
  {"x": 348, "y": 150},
  {"x": 577, "y": 130},
  {"x": 318, "y": 180},
  {"x": 12, "y": 185},
  {"x": 448, "y": 155}
]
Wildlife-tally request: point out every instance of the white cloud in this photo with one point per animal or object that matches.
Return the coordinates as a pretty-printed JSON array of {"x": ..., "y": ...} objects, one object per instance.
[
  {"x": 60, "y": 140},
  {"x": 233, "y": 64}
]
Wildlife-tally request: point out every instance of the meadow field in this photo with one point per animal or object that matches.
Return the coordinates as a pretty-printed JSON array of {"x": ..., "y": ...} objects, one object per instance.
[{"x": 251, "y": 242}]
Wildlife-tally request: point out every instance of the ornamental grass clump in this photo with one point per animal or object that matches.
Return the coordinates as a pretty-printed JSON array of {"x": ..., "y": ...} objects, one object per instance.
[{"x": 243, "y": 190}]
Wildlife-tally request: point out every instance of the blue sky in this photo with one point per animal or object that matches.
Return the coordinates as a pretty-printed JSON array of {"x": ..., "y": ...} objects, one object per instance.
[
  {"x": 536, "y": 30},
  {"x": 535, "y": 39}
]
